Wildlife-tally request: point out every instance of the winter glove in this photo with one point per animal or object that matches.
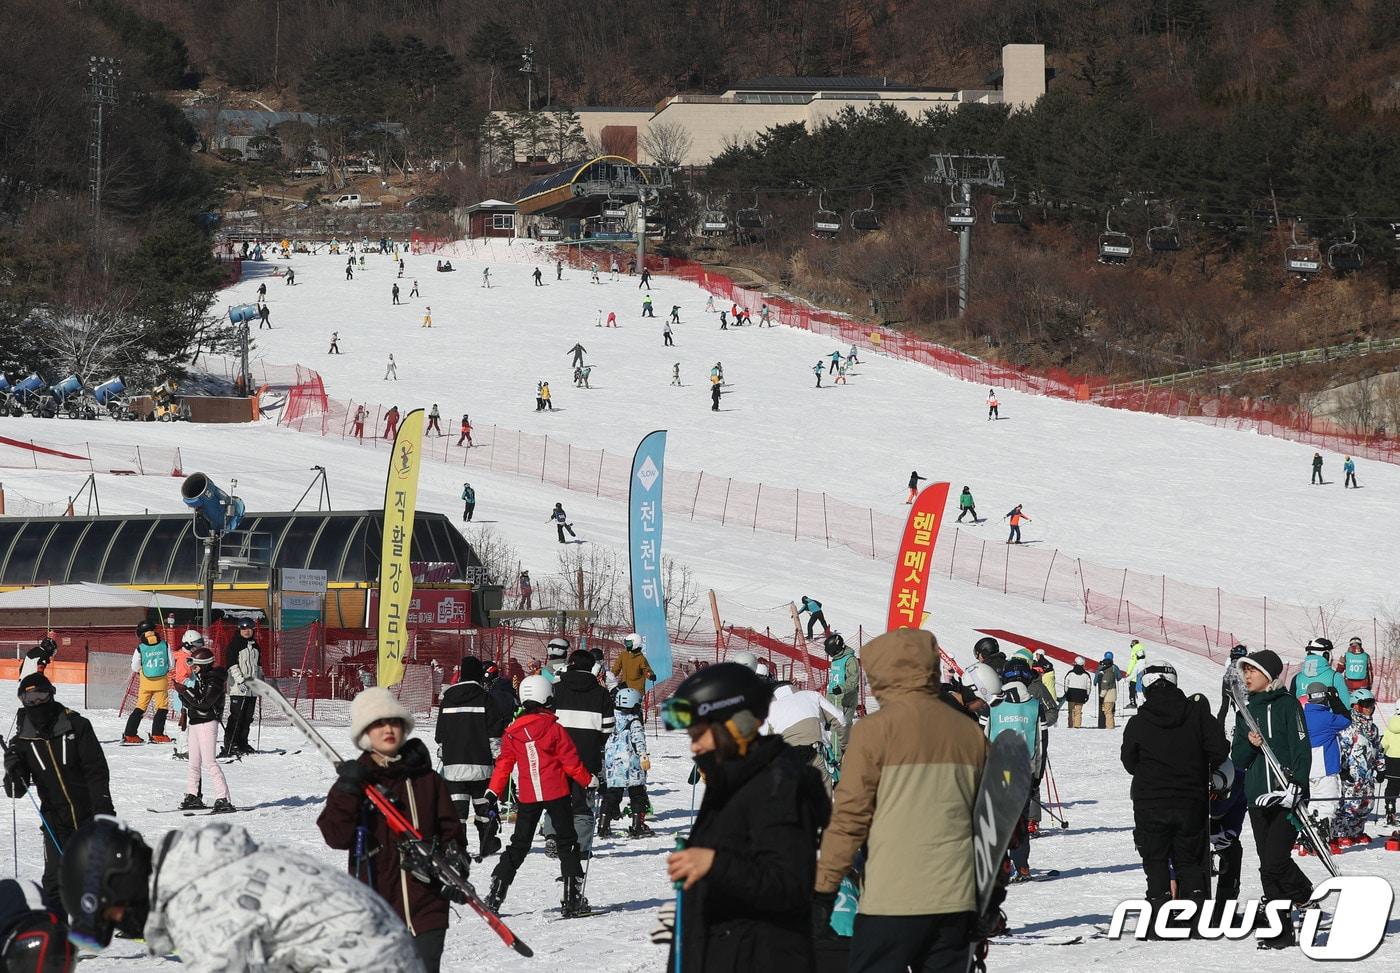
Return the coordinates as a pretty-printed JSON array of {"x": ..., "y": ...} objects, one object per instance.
[
  {"x": 1288, "y": 798},
  {"x": 461, "y": 862},
  {"x": 646, "y": 764},
  {"x": 1221, "y": 840},
  {"x": 493, "y": 808},
  {"x": 665, "y": 929},
  {"x": 351, "y": 777},
  {"x": 822, "y": 905},
  {"x": 835, "y": 691}
]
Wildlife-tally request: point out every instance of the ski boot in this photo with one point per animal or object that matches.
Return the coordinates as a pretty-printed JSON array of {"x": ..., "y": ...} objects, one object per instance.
[
  {"x": 1021, "y": 875},
  {"x": 179, "y": 755},
  {"x": 604, "y": 826},
  {"x": 161, "y": 738},
  {"x": 128, "y": 740},
  {"x": 574, "y": 905},
  {"x": 223, "y": 806},
  {"x": 1362, "y": 839},
  {"x": 497, "y": 893},
  {"x": 192, "y": 802},
  {"x": 1390, "y": 819},
  {"x": 490, "y": 844},
  {"x": 639, "y": 827}
]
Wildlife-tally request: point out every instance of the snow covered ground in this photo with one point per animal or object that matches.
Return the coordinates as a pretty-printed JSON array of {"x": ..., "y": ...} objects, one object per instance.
[{"x": 1154, "y": 494}]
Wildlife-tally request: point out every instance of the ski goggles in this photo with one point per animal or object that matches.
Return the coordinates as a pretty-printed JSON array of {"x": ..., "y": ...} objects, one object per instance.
[
  {"x": 35, "y": 697},
  {"x": 678, "y": 714}
]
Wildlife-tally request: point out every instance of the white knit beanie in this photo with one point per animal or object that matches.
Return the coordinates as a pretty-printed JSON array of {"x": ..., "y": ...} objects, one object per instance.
[{"x": 372, "y": 705}]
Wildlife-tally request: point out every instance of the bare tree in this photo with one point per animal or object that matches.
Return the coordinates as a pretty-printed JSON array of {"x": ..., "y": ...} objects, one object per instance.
[
  {"x": 682, "y": 595},
  {"x": 667, "y": 143},
  {"x": 499, "y": 558},
  {"x": 95, "y": 341}
]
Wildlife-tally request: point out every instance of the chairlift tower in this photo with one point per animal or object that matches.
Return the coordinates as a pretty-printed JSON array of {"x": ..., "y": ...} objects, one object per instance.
[
  {"x": 961, "y": 172},
  {"x": 103, "y": 73}
]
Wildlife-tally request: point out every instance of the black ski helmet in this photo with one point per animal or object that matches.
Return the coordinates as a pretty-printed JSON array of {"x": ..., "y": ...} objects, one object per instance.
[
  {"x": 1238, "y": 652},
  {"x": 38, "y": 943},
  {"x": 716, "y": 693},
  {"x": 1017, "y": 669},
  {"x": 834, "y": 644},
  {"x": 105, "y": 864},
  {"x": 142, "y": 629},
  {"x": 985, "y": 647}
]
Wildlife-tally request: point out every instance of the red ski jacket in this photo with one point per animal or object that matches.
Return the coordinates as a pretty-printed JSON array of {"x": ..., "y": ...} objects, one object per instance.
[{"x": 546, "y": 757}]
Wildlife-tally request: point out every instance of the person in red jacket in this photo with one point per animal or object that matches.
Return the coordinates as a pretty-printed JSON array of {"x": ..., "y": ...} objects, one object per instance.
[
  {"x": 538, "y": 747},
  {"x": 402, "y": 769}
]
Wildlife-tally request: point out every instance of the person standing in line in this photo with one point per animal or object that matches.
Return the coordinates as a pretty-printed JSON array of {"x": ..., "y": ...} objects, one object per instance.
[
  {"x": 334, "y": 349},
  {"x": 1077, "y": 684},
  {"x": 392, "y": 371},
  {"x": 468, "y": 502},
  {"x": 151, "y": 660},
  {"x": 842, "y": 685},
  {"x": 914, "y": 479},
  {"x": 1357, "y": 667},
  {"x": 434, "y": 417},
  {"x": 539, "y": 277},
  {"x": 1390, "y": 754},
  {"x": 676, "y": 374},
  {"x": 1016, "y": 517},
  {"x": 1326, "y": 718},
  {"x": 1017, "y": 709},
  {"x": 966, "y": 505},
  {"x": 427, "y": 317},
  {"x": 1106, "y": 680},
  {"x": 1360, "y": 747},
  {"x": 1317, "y": 469},
  {"x": 561, "y": 522},
  {"x": 466, "y": 435},
  {"x": 1349, "y": 468},
  {"x": 180, "y": 676},
  {"x": 626, "y": 763},
  {"x": 1273, "y": 803},
  {"x": 1226, "y": 700},
  {"x": 395, "y": 294},
  {"x": 414, "y": 292},
  {"x": 55, "y": 750},
  {"x": 204, "y": 703},
  {"x": 585, "y": 711},
  {"x": 244, "y": 661},
  {"x": 464, "y": 737},
  {"x": 391, "y": 422},
  {"x": 1137, "y": 654},
  {"x": 631, "y": 666},
  {"x": 992, "y": 405}
]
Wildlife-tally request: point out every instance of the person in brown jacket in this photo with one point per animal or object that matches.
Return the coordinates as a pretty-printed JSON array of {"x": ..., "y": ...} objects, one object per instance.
[
  {"x": 631, "y": 667},
  {"x": 402, "y": 769},
  {"x": 924, "y": 761}
]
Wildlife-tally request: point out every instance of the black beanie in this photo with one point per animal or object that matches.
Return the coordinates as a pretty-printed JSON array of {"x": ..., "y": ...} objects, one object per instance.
[
  {"x": 472, "y": 670},
  {"x": 35, "y": 680},
  {"x": 1266, "y": 661}
]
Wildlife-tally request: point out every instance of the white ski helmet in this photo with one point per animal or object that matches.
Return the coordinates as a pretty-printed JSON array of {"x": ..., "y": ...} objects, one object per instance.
[
  {"x": 191, "y": 638},
  {"x": 628, "y": 698},
  {"x": 746, "y": 659},
  {"x": 633, "y": 642},
  {"x": 1222, "y": 779},
  {"x": 986, "y": 681},
  {"x": 558, "y": 650},
  {"x": 536, "y": 689},
  {"x": 1158, "y": 672},
  {"x": 764, "y": 670}
]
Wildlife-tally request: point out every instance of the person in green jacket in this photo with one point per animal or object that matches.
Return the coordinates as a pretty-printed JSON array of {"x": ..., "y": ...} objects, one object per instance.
[
  {"x": 1274, "y": 803},
  {"x": 1317, "y": 667},
  {"x": 966, "y": 505},
  {"x": 1137, "y": 653},
  {"x": 842, "y": 684}
]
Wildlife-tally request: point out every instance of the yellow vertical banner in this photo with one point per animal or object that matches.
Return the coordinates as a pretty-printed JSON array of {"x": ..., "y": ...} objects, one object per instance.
[{"x": 395, "y": 574}]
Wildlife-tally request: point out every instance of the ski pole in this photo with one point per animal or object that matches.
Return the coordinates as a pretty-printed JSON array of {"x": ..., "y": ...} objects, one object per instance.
[
  {"x": 679, "y": 886},
  {"x": 45, "y": 822}
]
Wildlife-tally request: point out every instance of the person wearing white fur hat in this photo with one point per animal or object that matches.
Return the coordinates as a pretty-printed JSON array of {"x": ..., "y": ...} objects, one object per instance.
[{"x": 402, "y": 768}]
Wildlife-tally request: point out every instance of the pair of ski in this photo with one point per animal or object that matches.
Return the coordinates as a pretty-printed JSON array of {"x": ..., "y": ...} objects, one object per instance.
[{"x": 421, "y": 849}]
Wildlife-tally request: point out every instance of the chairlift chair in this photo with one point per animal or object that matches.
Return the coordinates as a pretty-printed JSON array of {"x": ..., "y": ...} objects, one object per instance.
[
  {"x": 1304, "y": 259},
  {"x": 713, "y": 222},
  {"x": 827, "y": 223},
  {"x": 614, "y": 209},
  {"x": 1165, "y": 238},
  {"x": 866, "y": 220},
  {"x": 749, "y": 219},
  {"x": 1346, "y": 256},
  {"x": 959, "y": 216},
  {"x": 1115, "y": 247},
  {"x": 1008, "y": 212},
  {"x": 550, "y": 229}
]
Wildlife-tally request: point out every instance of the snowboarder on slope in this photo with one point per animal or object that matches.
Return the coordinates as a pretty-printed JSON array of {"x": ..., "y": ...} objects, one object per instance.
[
  {"x": 468, "y": 502},
  {"x": 814, "y": 616},
  {"x": 561, "y": 522},
  {"x": 842, "y": 683},
  {"x": 914, "y": 479}
]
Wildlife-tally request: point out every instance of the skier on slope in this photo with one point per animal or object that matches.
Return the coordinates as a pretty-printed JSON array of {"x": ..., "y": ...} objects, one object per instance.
[
  {"x": 1349, "y": 468},
  {"x": 464, "y": 735},
  {"x": 55, "y": 751},
  {"x": 1137, "y": 654},
  {"x": 561, "y": 522},
  {"x": 585, "y": 710},
  {"x": 1015, "y": 709},
  {"x": 966, "y": 505},
  {"x": 676, "y": 374},
  {"x": 466, "y": 434},
  {"x": 291, "y": 913},
  {"x": 537, "y": 744},
  {"x": 391, "y": 422},
  {"x": 912, "y": 752},
  {"x": 813, "y": 610},
  {"x": 817, "y": 370},
  {"x": 1317, "y": 470},
  {"x": 1317, "y": 667},
  {"x": 204, "y": 700},
  {"x": 746, "y": 873},
  {"x": 468, "y": 502},
  {"x": 1274, "y": 803},
  {"x": 402, "y": 769},
  {"x": 1226, "y": 700},
  {"x": 1015, "y": 516},
  {"x": 842, "y": 684},
  {"x": 1361, "y": 762},
  {"x": 1170, "y": 747},
  {"x": 914, "y": 479},
  {"x": 577, "y": 351},
  {"x": 993, "y": 406},
  {"x": 626, "y": 762},
  {"x": 151, "y": 660},
  {"x": 434, "y": 420},
  {"x": 805, "y": 720}
]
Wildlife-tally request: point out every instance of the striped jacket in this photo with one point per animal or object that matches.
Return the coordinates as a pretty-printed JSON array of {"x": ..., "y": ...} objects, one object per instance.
[
  {"x": 585, "y": 711},
  {"x": 545, "y": 756},
  {"x": 463, "y": 734}
]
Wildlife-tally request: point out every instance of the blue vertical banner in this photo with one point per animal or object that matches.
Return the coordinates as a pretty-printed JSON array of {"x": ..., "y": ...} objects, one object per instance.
[{"x": 644, "y": 540}]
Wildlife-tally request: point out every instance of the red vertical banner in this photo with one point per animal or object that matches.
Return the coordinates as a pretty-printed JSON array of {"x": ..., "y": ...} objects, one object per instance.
[{"x": 914, "y": 564}]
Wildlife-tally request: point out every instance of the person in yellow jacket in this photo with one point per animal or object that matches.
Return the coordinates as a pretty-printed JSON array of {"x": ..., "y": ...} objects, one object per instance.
[
  {"x": 151, "y": 661},
  {"x": 631, "y": 666},
  {"x": 1137, "y": 657},
  {"x": 1390, "y": 746}
]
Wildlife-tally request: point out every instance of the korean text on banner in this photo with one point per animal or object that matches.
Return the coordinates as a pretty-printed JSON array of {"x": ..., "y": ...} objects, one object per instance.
[
  {"x": 914, "y": 563},
  {"x": 644, "y": 541},
  {"x": 395, "y": 574}
]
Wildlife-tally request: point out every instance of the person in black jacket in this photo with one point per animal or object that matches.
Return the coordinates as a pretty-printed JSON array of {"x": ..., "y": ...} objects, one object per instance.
[
  {"x": 204, "y": 707},
  {"x": 56, "y": 751},
  {"x": 464, "y": 744},
  {"x": 499, "y": 715},
  {"x": 1171, "y": 746},
  {"x": 749, "y": 866},
  {"x": 585, "y": 711},
  {"x": 243, "y": 658}
]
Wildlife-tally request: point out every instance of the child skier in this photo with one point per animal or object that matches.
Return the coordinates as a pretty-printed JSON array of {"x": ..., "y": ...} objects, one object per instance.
[
  {"x": 1360, "y": 746},
  {"x": 992, "y": 405},
  {"x": 466, "y": 435},
  {"x": 204, "y": 700},
  {"x": 434, "y": 418},
  {"x": 1016, "y": 517},
  {"x": 966, "y": 505},
  {"x": 548, "y": 760},
  {"x": 625, "y": 763},
  {"x": 1357, "y": 671},
  {"x": 151, "y": 660},
  {"x": 1349, "y": 468},
  {"x": 914, "y": 479},
  {"x": 817, "y": 369}
]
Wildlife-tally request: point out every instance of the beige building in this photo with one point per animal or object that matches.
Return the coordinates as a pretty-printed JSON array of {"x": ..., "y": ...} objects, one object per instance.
[{"x": 703, "y": 125}]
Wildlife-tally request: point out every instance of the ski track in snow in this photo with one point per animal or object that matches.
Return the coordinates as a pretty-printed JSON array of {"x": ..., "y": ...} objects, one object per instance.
[{"x": 1152, "y": 493}]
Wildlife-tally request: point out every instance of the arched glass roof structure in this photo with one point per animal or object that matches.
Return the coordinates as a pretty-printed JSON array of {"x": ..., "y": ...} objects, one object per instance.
[{"x": 161, "y": 549}]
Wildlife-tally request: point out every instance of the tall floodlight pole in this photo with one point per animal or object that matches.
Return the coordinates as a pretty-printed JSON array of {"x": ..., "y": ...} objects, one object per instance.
[
  {"x": 102, "y": 92},
  {"x": 527, "y": 68},
  {"x": 960, "y": 173}
]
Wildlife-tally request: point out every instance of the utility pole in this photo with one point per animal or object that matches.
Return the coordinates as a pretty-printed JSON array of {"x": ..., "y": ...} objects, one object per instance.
[
  {"x": 103, "y": 73},
  {"x": 527, "y": 68},
  {"x": 960, "y": 173}
]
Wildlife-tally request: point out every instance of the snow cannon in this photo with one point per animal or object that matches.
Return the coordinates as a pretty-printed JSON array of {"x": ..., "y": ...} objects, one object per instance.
[
  {"x": 107, "y": 392},
  {"x": 219, "y": 510},
  {"x": 29, "y": 387},
  {"x": 241, "y": 313},
  {"x": 69, "y": 386}
]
